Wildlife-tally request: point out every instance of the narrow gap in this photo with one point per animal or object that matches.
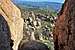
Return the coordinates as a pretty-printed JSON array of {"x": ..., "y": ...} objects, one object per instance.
[{"x": 39, "y": 21}]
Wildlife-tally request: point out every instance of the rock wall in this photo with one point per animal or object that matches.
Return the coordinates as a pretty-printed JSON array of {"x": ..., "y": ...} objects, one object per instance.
[
  {"x": 64, "y": 31},
  {"x": 4, "y": 34},
  {"x": 12, "y": 15}
]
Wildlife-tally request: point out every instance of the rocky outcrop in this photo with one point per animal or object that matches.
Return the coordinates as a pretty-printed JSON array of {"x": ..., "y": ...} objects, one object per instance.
[
  {"x": 13, "y": 18},
  {"x": 64, "y": 31},
  {"x": 33, "y": 45}
]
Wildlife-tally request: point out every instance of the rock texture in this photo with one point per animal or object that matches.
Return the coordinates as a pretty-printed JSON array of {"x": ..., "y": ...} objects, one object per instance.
[
  {"x": 12, "y": 16},
  {"x": 64, "y": 31},
  {"x": 33, "y": 45},
  {"x": 4, "y": 35}
]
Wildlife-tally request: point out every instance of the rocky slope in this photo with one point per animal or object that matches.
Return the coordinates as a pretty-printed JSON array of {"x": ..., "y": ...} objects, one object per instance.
[
  {"x": 38, "y": 26},
  {"x": 12, "y": 16}
]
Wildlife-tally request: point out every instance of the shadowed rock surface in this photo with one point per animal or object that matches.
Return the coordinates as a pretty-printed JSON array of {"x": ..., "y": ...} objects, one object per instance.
[
  {"x": 33, "y": 45},
  {"x": 64, "y": 32},
  {"x": 5, "y": 36}
]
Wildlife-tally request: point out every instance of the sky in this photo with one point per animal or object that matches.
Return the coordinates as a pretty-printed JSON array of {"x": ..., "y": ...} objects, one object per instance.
[{"x": 60, "y": 1}]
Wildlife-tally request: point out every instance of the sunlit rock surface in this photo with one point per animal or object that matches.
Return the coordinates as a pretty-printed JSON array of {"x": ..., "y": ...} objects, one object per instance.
[{"x": 12, "y": 15}]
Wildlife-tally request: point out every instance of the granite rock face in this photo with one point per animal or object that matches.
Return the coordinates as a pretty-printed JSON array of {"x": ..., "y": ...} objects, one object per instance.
[
  {"x": 12, "y": 16},
  {"x": 64, "y": 31}
]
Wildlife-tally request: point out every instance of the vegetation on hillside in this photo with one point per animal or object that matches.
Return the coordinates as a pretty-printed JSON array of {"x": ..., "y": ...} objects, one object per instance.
[{"x": 39, "y": 23}]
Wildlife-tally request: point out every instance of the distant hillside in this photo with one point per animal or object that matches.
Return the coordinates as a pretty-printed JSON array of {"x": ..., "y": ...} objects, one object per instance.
[{"x": 48, "y": 5}]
